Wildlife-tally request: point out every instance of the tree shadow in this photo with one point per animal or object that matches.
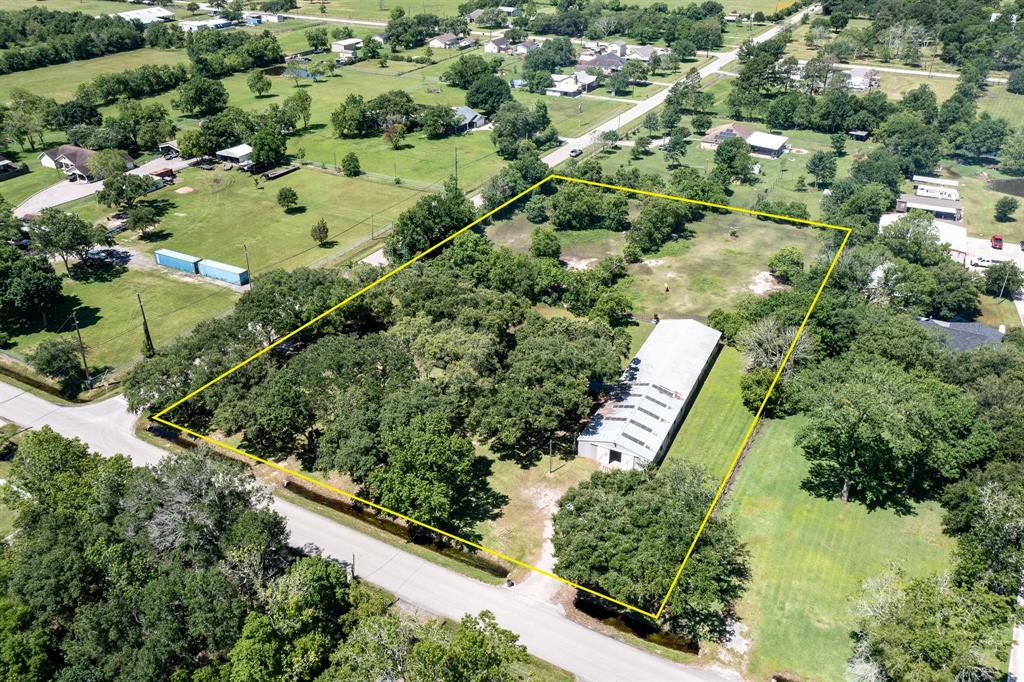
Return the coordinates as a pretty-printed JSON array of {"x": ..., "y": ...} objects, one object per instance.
[
  {"x": 329, "y": 244},
  {"x": 101, "y": 265},
  {"x": 295, "y": 210},
  {"x": 154, "y": 235},
  {"x": 825, "y": 483}
]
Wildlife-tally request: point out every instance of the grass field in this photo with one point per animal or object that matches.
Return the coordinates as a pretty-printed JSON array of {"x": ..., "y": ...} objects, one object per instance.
[
  {"x": 22, "y": 187},
  {"x": 996, "y": 311},
  {"x": 109, "y": 313},
  {"x": 810, "y": 556},
  {"x": 59, "y": 81},
  {"x": 714, "y": 428},
  {"x": 90, "y": 7},
  {"x": 205, "y": 221}
]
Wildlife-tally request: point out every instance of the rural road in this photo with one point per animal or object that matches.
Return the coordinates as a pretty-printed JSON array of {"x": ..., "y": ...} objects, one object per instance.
[
  {"x": 66, "y": 191},
  {"x": 107, "y": 427}
]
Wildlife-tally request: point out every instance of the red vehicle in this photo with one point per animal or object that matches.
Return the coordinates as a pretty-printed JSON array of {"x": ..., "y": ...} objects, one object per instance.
[{"x": 997, "y": 241}]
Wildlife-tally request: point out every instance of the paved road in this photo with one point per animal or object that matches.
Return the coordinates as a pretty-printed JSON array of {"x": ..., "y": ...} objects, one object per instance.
[
  {"x": 908, "y": 72},
  {"x": 64, "y": 191},
  {"x": 107, "y": 427}
]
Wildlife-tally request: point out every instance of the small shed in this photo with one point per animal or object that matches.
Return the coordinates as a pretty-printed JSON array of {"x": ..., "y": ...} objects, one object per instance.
[
  {"x": 176, "y": 260},
  {"x": 859, "y": 135},
  {"x": 223, "y": 272}
]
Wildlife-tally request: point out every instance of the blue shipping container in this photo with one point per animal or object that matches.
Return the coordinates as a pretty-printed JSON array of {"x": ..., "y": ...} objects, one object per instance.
[
  {"x": 223, "y": 272},
  {"x": 178, "y": 261}
]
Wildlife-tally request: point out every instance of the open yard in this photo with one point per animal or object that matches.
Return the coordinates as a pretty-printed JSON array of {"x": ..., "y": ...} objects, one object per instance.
[
  {"x": 109, "y": 316},
  {"x": 201, "y": 217},
  {"x": 810, "y": 556}
]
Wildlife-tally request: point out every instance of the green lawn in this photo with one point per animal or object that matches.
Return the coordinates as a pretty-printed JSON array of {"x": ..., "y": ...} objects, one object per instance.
[
  {"x": 22, "y": 187},
  {"x": 995, "y": 312},
  {"x": 60, "y": 80},
  {"x": 809, "y": 557},
  {"x": 207, "y": 222},
  {"x": 717, "y": 422},
  {"x": 109, "y": 313},
  {"x": 90, "y": 7}
]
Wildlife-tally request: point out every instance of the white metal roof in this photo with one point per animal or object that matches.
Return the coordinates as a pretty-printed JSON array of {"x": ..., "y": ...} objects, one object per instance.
[
  {"x": 936, "y": 181},
  {"x": 177, "y": 254},
  {"x": 767, "y": 140},
  {"x": 222, "y": 266},
  {"x": 642, "y": 409},
  {"x": 147, "y": 15},
  {"x": 237, "y": 151}
]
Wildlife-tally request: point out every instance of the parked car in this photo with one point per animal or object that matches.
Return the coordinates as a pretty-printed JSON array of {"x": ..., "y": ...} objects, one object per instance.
[
  {"x": 575, "y": 152},
  {"x": 997, "y": 241},
  {"x": 981, "y": 262}
]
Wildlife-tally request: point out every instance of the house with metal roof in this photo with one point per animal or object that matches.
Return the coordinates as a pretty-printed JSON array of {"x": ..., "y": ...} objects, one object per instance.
[
  {"x": 570, "y": 85},
  {"x": 635, "y": 426},
  {"x": 761, "y": 143},
  {"x": 147, "y": 15},
  {"x": 468, "y": 119}
]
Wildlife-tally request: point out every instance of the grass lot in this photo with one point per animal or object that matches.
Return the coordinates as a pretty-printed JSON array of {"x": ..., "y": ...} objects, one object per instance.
[
  {"x": 995, "y": 312},
  {"x": 705, "y": 272},
  {"x": 109, "y": 313},
  {"x": 420, "y": 161},
  {"x": 60, "y": 80},
  {"x": 205, "y": 222},
  {"x": 717, "y": 422},
  {"x": 90, "y": 7},
  {"x": 532, "y": 495},
  {"x": 980, "y": 199},
  {"x": 22, "y": 187},
  {"x": 809, "y": 557}
]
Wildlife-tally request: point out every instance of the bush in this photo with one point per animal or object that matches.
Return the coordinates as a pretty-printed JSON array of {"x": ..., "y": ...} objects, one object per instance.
[
  {"x": 1015, "y": 83},
  {"x": 58, "y": 358},
  {"x": 350, "y": 165},
  {"x": 786, "y": 264},
  {"x": 535, "y": 209},
  {"x": 544, "y": 243}
]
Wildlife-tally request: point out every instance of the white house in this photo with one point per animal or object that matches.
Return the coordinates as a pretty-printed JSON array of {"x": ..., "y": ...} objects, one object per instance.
[
  {"x": 641, "y": 52},
  {"x": 73, "y": 161},
  {"x": 510, "y": 11},
  {"x": 496, "y": 45},
  {"x": 527, "y": 46},
  {"x": 635, "y": 427},
  {"x": 570, "y": 85},
  {"x": 445, "y": 41},
  {"x": 618, "y": 48},
  {"x": 193, "y": 26}
]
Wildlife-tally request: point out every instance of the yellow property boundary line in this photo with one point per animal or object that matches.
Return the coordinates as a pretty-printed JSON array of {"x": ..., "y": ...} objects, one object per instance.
[{"x": 721, "y": 488}]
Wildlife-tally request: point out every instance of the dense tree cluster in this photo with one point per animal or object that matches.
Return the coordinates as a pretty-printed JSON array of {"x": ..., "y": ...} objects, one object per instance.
[
  {"x": 182, "y": 571},
  {"x": 412, "y": 31},
  {"x": 620, "y": 533},
  {"x": 36, "y": 37}
]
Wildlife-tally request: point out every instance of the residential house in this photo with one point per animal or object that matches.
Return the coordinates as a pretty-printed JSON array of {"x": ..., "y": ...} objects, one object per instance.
[
  {"x": 9, "y": 169},
  {"x": 642, "y": 53},
  {"x": 240, "y": 153},
  {"x": 526, "y": 47},
  {"x": 943, "y": 209},
  {"x": 468, "y": 119},
  {"x": 474, "y": 16},
  {"x": 570, "y": 85},
  {"x": 497, "y": 45},
  {"x": 618, "y": 48},
  {"x": 445, "y": 41},
  {"x": 948, "y": 233},
  {"x": 73, "y": 161},
  {"x": 635, "y": 426},
  {"x": 466, "y": 43},
  {"x": 170, "y": 149},
  {"x": 509, "y": 11},
  {"x": 963, "y": 336},
  {"x": 199, "y": 25},
  {"x": 761, "y": 143},
  {"x": 606, "y": 62}
]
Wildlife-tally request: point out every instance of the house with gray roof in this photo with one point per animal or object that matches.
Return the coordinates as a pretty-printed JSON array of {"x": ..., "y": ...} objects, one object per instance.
[
  {"x": 635, "y": 426},
  {"x": 468, "y": 119},
  {"x": 963, "y": 336}
]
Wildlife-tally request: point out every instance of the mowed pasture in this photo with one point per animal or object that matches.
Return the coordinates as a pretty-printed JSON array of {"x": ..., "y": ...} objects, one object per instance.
[
  {"x": 60, "y": 81},
  {"x": 809, "y": 556},
  {"x": 212, "y": 214}
]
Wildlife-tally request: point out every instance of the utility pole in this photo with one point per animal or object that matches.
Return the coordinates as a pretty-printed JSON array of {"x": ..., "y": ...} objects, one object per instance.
[
  {"x": 371, "y": 226},
  {"x": 549, "y": 455},
  {"x": 147, "y": 341},
  {"x": 1002, "y": 287},
  {"x": 247, "y": 268},
  {"x": 456, "y": 165},
  {"x": 81, "y": 349}
]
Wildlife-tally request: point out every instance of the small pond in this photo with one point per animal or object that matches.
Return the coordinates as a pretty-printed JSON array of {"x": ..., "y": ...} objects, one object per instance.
[{"x": 1014, "y": 186}]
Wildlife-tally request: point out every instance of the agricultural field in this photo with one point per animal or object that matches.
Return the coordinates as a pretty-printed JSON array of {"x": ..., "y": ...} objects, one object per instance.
[
  {"x": 59, "y": 81},
  {"x": 90, "y": 7}
]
